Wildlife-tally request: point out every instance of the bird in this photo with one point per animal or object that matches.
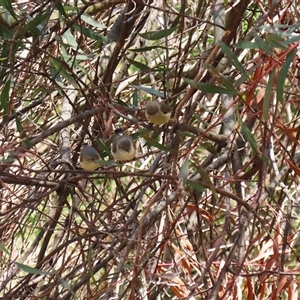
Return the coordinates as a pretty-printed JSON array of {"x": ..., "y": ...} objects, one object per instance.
[
  {"x": 89, "y": 158},
  {"x": 157, "y": 113},
  {"x": 122, "y": 146}
]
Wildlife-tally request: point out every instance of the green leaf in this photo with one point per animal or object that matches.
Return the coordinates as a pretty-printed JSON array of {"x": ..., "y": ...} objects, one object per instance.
[
  {"x": 227, "y": 83},
  {"x": 2, "y": 248},
  {"x": 6, "y": 33},
  {"x": 7, "y": 4},
  {"x": 268, "y": 96},
  {"x": 247, "y": 45},
  {"x": 22, "y": 132},
  {"x": 156, "y": 35},
  {"x": 144, "y": 49},
  {"x": 292, "y": 40},
  {"x": 67, "y": 286},
  {"x": 139, "y": 65},
  {"x": 30, "y": 270},
  {"x": 247, "y": 134},
  {"x": 209, "y": 88},
  {"x": 135, "y": 98},
  {"x": 157, "y": 145},
  {"x": 62, "y": 70},
  {"x": 71, "y": 41},
  {"x": 19, "y": 125},
  {"x": 206, "y": 179},
  {"x": 55, "y": 75},
  {"x": 88, "y": 19},
  {"x": 262, "y": 44},
  {"x": 233, "y": 59},
  {"x": 4, "y": 97},
  {"x": 90, "y": 33},
  {"x": 60, "y": 8},
  {"x": 184, "y": 170},
  {"x": 195, "y": 185},
  {"x": 282, "y": 74},
  {"x": 275, "y": 41},
  {"x": 209, "y": 147},
  {"x": 34, "y": 26},
  {"x": 149, "y": 90}
]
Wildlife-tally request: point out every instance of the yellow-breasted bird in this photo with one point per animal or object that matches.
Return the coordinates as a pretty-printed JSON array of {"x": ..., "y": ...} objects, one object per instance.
[{"x": 157, "y": 113}]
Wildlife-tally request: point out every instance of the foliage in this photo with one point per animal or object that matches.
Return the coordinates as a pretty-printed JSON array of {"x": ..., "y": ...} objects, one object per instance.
[{"x": 208, "y": 209}]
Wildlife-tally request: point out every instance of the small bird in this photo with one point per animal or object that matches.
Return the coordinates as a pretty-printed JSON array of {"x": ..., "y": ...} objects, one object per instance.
[
  {"x": 157, "y": 113},
  {"x": 122, "y": 146},
  {"x": 89, "y": 157}
]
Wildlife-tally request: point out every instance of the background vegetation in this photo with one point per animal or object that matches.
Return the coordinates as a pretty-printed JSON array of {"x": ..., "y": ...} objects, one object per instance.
[{"x": 209, "y": 209}]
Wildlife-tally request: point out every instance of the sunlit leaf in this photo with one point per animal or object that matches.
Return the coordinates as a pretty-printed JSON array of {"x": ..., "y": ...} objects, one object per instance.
[
  {"x": 30, "y": 270},
  {"x": 8, "y": 6},
  {"x": 88, "y": 19},
  {"x": 149, "y": 90},
  {"x": 70, "y": 39}
]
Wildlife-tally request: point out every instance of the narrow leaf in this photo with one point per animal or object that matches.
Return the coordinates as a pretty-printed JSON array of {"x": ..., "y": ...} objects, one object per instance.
[
  {"x": 30, "y": 270},
  {"x": 135, "y": 98},
  {"x": 282, "y": 74},
  {"x": 88, "y": 19},
  {"x": 60, "y": 8},
  {"x": 2, "y": 248},
  {"x": 139, "y": 65},
  {"x": 157, "y": 145},
  {"x": 61, "y": 69},
  {"x": 149, "y": 90},
  {"x": 35, "y": 25},
  {"x": 275, "y": 41},
  {"x": 184, "y": 170},
  {"x": 247, "y": 134},
  {"x": 7, "y": 4},
  {"x": 71, "y": 41},
  {"x": 156, "y": 35},
  {"x": 4, "y": 98},
  {"x": 209, "y": 88},
  {"x": 233, "y": 59},
  {"x": 268, "y": 95},
  {"x": 144, "y": 49},
  {"x": 263, "y": 45},
  {"x": 90, "y": 33},
  {"x": 247, "y": 45}
]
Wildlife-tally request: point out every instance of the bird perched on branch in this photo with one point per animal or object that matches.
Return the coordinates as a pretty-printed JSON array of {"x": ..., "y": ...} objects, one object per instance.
[
  {"x": 122, "y": 146},
  {"x": 89, "y": 158},
  {"x": 157, "y": 113}
]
